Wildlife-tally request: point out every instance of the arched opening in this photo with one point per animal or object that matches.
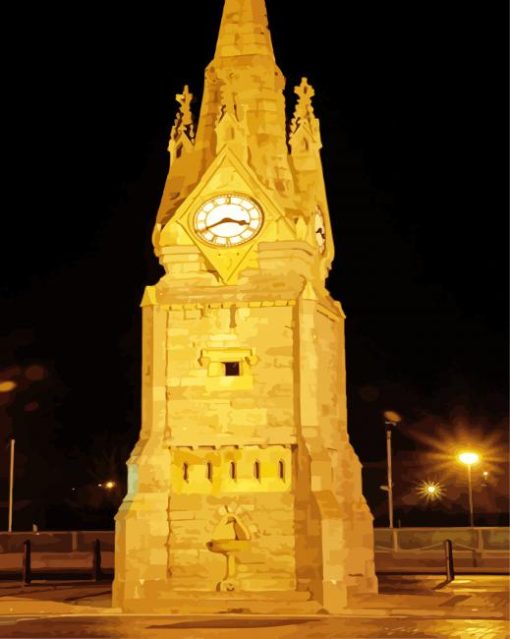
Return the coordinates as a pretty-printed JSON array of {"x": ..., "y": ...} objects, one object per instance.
[
  {"x": 233, "y": 470},
  {"x": 185, "y": 472},
  {"x": 256, "y": 470},
  {"x": 209, "y": 471},
  {"x": 281, "y": 470}
]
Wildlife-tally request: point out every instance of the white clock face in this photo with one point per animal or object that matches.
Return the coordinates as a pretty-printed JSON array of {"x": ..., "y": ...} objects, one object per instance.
[
  {"x": 228, "y": 220},
  {"x": 320, "y": 231}
]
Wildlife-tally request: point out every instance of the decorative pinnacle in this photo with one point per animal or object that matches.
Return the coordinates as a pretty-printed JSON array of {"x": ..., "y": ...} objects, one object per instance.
[
  {"x": 184, "y": 99},
  {"x": 304, "y": 108},
  {"x": 184, "y": 119}
]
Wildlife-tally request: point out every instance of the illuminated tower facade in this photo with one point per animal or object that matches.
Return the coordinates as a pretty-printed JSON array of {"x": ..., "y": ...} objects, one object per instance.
[{"x": 244, "y": 492}]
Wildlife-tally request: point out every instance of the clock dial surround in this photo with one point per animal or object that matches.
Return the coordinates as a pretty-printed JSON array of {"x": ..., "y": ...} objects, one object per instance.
[{"x": 226, "y": 221}]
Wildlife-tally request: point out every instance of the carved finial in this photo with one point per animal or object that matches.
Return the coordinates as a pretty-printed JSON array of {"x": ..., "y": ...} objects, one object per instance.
[
  {"x": 184, "y": 99},
  {"x": 184, "y": 119},
  {"x": 305, "y": 93},
  {"x": 304, "y": 107},
  {"x": 304, "y": 120}
]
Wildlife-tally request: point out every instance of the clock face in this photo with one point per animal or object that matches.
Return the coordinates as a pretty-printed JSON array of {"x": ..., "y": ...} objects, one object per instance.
[
  {"x": 320, "y": 231},
  {"x": 228, "y": 220}
]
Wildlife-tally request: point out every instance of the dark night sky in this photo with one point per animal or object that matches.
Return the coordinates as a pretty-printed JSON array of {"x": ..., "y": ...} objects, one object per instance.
[{"x": 412, "y": 99}]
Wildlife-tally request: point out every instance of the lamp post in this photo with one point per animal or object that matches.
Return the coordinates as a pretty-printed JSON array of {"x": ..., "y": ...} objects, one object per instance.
[
  {"x": 469, "y": 458},
  {"x": 11, "y": 484},
  {"x": 7, "y": 386},
  {"x": 391, "y": 419}
]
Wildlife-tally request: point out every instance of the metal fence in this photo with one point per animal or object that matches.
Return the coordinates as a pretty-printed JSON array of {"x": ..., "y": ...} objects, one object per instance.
[
  {"x": 50, "y": 542},
  {"x": 398, "y": 549},
  {"x": 424, "y": 539}
]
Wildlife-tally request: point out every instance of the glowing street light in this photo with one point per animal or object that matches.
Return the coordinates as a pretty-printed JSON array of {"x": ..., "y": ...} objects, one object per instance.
[
  {"x": 469, "y": 458},
  {"x": 7, "y": 385},
  {"x": 430, "y": 490},
  {"x": 109, "y": 485}
]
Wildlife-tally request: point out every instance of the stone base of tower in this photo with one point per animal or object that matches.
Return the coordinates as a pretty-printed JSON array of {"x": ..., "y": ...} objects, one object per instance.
[
  {"x": 158, "y": 599},
  {"x": 144, "y": 582}
]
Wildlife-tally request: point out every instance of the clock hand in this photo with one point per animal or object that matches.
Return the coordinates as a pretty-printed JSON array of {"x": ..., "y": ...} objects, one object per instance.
[{"x": 226, "y": 220}]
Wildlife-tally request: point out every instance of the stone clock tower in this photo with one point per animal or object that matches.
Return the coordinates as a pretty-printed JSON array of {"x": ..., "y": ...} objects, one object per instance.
[{"x": 244, "y": 492}]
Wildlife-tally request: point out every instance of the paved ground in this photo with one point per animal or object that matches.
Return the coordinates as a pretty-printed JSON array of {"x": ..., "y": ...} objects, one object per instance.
[
  {"x": 230, "y": 628},
  {"x": 472, "y": 607}
]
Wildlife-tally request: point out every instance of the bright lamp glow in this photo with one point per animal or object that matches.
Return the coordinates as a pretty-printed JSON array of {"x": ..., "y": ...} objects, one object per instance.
[
  {"x": 7, "y": 386},
  {"x": 430, "y": 490},
  {"x": 469, "y": 458}
]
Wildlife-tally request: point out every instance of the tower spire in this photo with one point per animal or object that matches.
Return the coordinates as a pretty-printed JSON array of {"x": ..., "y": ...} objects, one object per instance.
[
  {"x": 244, "y": 67},
  {"x": 244, "y": 29}
]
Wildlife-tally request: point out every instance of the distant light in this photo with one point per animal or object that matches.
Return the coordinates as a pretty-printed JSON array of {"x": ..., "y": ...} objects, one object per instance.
[
  {"x": 7, "y": 386},
  {"x": 110, "y": 485},
  {"x": 430, "y": 490},
  {"x": 35, "y": 372},
  {"x": 469, "y": 458},
  {"x": 99, "y": 485},
  {"x": 485, "y": 474},
  {"x": 392, "y": 417}
]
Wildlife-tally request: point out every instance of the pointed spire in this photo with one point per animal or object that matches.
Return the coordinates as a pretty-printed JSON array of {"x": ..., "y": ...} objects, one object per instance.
[
  {"x": 244, "y": 29},
  {"x": 244, "y": 68}
]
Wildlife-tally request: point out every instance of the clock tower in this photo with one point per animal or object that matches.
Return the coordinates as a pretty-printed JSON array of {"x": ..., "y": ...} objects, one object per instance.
[{"x": 244, "y": 492}]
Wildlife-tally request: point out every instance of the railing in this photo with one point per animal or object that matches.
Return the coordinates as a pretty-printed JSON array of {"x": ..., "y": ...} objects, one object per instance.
[
  {"x": 399, "y": 549},
  {"x": 56, "y": 541},
  {"x": 480, "y": 540}
]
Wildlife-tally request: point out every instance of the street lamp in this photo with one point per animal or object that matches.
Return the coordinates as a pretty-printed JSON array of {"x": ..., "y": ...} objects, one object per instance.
[
  {"x": 430, "y": 490},
  {"x": 469, "y": 458},
  {"x": 7, "y": 386},
  {"x": 33, "y": 373},
  {"x": 391, "y": 419}
]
